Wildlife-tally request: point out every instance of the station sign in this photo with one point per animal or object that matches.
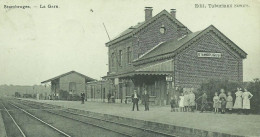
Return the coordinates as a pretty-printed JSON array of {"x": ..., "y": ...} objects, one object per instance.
[{"x": 209, "y": 55}]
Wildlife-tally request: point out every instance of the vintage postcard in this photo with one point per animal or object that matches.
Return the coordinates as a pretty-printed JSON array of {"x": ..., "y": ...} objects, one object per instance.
[{"x": 139, "y": 68}]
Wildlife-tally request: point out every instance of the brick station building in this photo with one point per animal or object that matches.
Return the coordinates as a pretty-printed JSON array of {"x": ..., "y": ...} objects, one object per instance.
[{"x": 161, "y": 55}]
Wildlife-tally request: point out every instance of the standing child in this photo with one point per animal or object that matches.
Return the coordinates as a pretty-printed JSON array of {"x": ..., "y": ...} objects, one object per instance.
[
  {"x": 216, "y": 102},
  {"x": 223, "y": 105},
  {"x": 181, "y": 102},
  {"x": 204, "y": 102},
  {"x": 176, "y": 103},
  {"x": 172, "y": 104},
  {"x": 229, "y": 104}
]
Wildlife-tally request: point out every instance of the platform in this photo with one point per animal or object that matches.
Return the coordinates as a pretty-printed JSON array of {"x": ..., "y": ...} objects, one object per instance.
[{"x": 230, "y": 124}]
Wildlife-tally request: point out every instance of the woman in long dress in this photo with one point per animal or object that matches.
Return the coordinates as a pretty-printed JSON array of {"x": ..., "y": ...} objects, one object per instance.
[
  {"x": 192, "y": 101},
  {"x": 238, "y": 102},
  {"x": 246, "y": 100},
  {"x": 186, "y": 101},
  {"x": 181, "y": 103}
]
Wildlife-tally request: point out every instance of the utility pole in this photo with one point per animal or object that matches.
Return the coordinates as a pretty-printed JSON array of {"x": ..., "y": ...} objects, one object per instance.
[{"x": 106, "y": 31}]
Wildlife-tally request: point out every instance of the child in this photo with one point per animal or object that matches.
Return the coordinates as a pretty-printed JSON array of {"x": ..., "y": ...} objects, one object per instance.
[
  {"x": 229, "y": 104},
  {"x": 181, "y": 102},
  {"x": 176, "y": 103},
  {"x": 173, "y": 101},
  {"x": 223, "y": 105},
  {"x": 216, "y": 102}
]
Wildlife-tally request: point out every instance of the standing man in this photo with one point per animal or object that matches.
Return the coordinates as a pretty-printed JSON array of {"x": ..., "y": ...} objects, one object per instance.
[
  {"x": 108, "y": 97},
  {"x": 135, "y": 99},
  {"x": 82, "y": 97},
  {"x": 146, "y": 101},
  {"x": 203, "y": 102}
]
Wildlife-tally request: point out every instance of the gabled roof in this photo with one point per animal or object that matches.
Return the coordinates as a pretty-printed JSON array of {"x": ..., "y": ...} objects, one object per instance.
[
  {"x": 62, "y": 75},
  {"x": 129, "y": 30},
  {"x": 173, "y": 47},
  {"x": 134, "y": 29}
]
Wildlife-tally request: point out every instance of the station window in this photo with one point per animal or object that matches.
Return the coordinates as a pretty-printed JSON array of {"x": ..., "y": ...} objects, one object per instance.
[
  {"x": 112, "y": 59},
  {"x": 120, "y": 56},
  {"x": 129, "y": 55}
]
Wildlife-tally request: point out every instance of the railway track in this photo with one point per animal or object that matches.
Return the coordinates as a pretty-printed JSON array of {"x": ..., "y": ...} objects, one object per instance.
[
  {"x": 19, "y": 127},
  {"x": 121, "y": 128}
]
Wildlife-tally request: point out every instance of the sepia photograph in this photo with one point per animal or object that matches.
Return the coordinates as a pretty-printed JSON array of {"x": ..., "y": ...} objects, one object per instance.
[{"x": 136, "y": 68}]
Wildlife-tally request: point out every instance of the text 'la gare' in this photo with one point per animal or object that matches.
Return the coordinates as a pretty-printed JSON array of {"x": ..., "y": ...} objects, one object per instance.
[{"x": 49, "y": 6}]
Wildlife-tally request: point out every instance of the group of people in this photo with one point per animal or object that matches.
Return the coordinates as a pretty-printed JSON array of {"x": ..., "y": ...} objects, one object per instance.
[
  {"x": 185, "y": 102},
  {"x": 136, "y": 98},
  {"x": 221, "y": 102}
]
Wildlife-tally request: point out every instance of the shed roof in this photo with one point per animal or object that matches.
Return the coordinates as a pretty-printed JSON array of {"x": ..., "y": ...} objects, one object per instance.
[{"x": 65, "y": 74}]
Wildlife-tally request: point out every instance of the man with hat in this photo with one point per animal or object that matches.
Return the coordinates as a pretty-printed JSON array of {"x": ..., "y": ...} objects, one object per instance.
[{"x": 135, "y": 99}]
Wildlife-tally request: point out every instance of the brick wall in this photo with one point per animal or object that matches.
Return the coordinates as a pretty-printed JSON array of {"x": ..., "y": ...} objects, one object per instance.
[
  {"x": 143, "y": 41},
  {"x": 151, "y": 35},
  {"x": 123, "y": 45},
  {"x": 79, "y": 80},
  {"x": 191, "y": 70}
]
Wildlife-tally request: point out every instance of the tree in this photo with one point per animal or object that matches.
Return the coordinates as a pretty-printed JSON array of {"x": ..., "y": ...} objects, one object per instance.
[
  {"x": 215, "y": 85},
  {"x": 254, "y": 88}
]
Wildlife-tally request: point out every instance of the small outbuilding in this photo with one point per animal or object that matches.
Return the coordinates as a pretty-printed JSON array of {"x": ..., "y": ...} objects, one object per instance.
[{"x": 70, "y": 83}]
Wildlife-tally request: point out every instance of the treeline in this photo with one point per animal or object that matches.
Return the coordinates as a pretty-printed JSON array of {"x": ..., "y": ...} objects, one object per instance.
[{"x": 9, "y": 90}]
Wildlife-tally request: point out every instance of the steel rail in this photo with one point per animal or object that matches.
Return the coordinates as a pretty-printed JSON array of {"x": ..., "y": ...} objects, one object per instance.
[
  {"x": 140, "y": 128},
  {"x": 126, "y": 125},
  {"x": 14, "y": 121},
  {"x": 56, "y": 129},
  {"x": 125, "y": 134}
]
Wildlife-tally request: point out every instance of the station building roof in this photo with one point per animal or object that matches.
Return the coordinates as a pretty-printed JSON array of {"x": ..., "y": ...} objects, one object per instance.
[
  {"x": 62, "y": 75},
  {"x": 173, "y": 47},
  {"x": 139, "y": 26}
]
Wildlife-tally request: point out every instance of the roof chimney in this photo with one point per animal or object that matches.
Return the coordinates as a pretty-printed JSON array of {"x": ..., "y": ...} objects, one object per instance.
[
  {"x": 173, "y": 12},
  {"x": 148, "y": 13}
]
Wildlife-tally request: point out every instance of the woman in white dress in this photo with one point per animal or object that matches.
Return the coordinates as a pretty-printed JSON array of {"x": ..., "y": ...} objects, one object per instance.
[
  {"x": 186, "y": 101},
  {"x": 238, "y": 102},
  {"x": 181, "y": 103},
  {"x": 192, "y": 101},
  {"x": 246, "y": 101}
]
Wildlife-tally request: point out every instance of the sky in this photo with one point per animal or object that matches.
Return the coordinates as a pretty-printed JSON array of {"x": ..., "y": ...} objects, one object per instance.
[{"x": 37, "y": 44}]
